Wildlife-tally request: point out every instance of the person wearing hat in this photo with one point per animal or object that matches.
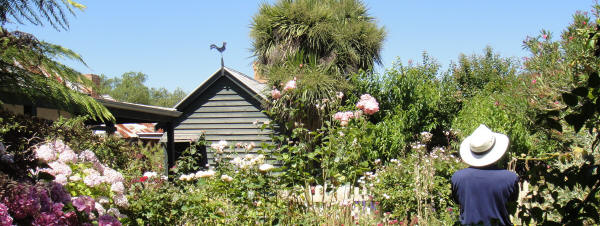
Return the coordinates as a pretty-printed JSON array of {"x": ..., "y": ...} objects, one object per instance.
[{"x": 483, "y": 190}]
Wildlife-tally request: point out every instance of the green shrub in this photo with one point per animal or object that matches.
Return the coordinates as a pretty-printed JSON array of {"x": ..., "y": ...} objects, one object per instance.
[{"x": 417, "y": 186}]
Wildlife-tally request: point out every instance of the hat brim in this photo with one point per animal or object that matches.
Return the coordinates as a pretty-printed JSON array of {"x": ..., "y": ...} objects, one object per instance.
[{"x": 488, "y": 158}]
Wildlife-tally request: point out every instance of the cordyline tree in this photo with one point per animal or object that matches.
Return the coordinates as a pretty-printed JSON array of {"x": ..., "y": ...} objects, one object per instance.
[
  {"x": 321, "y": 44},
  {"x": 28, "y": 67}
]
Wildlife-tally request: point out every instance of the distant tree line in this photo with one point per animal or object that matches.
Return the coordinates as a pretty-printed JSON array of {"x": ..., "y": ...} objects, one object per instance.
[{"x": 130, "y": 88}]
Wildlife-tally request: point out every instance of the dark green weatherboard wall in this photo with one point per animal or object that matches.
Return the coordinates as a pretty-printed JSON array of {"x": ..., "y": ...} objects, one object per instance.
[{"x": 224, "y": 112}]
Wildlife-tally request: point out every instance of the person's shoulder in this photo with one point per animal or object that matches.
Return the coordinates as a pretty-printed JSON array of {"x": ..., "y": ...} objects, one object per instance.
[
  {"x": 509, "y": 174},
  {"x": 460, "y": 173}
]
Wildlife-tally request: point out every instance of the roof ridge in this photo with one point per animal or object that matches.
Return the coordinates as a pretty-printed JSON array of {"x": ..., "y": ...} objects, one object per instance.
[{"x": 242, "y": 74}]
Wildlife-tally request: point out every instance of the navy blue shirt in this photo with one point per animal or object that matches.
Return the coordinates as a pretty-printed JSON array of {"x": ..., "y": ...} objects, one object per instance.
[{"x": 483, "y": 194}]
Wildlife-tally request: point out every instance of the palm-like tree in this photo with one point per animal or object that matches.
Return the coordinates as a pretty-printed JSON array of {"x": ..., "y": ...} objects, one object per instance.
[
  {"x": 339, "y": 33},
  {"x": 319, "y": 42},
  {"x": 28, "y": 66}
]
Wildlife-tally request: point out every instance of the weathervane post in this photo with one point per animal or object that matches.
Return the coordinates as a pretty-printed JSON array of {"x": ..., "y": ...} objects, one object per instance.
[{"x": 221, "y": 50}]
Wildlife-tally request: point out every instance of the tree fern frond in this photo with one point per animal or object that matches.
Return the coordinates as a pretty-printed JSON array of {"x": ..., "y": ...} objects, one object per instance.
[
  {"x": 37, "y": 12},
  {"x": 29, "y": 70}
]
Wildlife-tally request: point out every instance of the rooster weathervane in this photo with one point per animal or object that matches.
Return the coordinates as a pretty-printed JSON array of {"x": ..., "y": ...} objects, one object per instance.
[{"x": 221, "y": 50}]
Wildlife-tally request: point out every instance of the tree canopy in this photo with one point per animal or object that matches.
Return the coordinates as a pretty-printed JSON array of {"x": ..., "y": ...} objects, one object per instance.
[{"x": 130, "y": 88}]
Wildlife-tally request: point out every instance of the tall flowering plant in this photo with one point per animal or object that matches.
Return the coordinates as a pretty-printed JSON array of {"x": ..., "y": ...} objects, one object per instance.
[{"x": 304, "y": 96}]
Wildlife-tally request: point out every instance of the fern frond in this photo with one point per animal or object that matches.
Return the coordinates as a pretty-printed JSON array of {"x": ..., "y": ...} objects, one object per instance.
[
  {"x": 29, "y": 71},
  {"x": 37, "y": 12}
]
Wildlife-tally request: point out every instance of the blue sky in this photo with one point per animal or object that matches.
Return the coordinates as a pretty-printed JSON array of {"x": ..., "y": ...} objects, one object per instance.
[{"x": 169, "y": 40}]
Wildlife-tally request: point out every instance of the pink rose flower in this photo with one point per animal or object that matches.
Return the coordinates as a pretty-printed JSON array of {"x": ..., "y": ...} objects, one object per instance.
[
  {"x": 371, "y": 107},
  {"x": 275, "y": 94},
  {"x": 368, "y": 104},
  {"x": 290, "y": 85}
]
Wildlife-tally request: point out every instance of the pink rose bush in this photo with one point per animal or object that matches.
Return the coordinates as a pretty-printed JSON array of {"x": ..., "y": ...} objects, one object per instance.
[
  {"x": 290, "y": 85},
  {"x": 367, "y": 105},
  {"x": 344, "y": 117}
]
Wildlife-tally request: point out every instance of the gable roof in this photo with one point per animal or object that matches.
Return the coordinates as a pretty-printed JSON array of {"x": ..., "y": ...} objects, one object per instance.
[{"x": 253, "y": 87}]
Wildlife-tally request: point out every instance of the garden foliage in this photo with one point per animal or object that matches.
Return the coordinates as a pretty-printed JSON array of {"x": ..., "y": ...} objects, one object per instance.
[{"x": 353, "y": 146}]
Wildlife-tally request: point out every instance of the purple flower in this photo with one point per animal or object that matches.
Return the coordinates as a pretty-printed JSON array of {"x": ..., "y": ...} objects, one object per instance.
[
  {"x": 57, "y": 208},
  {"x": 45, "y": 201},
  {"x": 5, "y": 218},
  {"x": 70, "y": 218},
  {"x": 108, "y": 220},
  {"x": 46, "y": 218},
  {"x": 59, "y": 194},
  {"x": 23, "y": 201},
  {"x": 84, "y": 203}
]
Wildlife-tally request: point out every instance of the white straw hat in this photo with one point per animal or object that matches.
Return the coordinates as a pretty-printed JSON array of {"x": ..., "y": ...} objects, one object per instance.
[{"x": 483, "y": 147}]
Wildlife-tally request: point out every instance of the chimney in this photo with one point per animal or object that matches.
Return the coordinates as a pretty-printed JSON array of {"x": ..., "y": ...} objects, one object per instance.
[
  {"x": 257, "y": 76},
  {"x": 96, "y": 81}
]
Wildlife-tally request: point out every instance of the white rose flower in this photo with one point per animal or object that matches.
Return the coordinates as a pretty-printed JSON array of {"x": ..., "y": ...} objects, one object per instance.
[
  {"x": 207, "y": 174},
  {"x": 150, "y": 174},
  {"x": 265, "y": 167},
  {"x": 226, "y": 178}
]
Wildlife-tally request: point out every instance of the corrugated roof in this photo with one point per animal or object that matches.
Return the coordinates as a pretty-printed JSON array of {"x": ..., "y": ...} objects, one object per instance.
[
  {"x": 137, "y": 130},
  {"x": 256, "y": 86},
  {"x": 172, "y": 112}
]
